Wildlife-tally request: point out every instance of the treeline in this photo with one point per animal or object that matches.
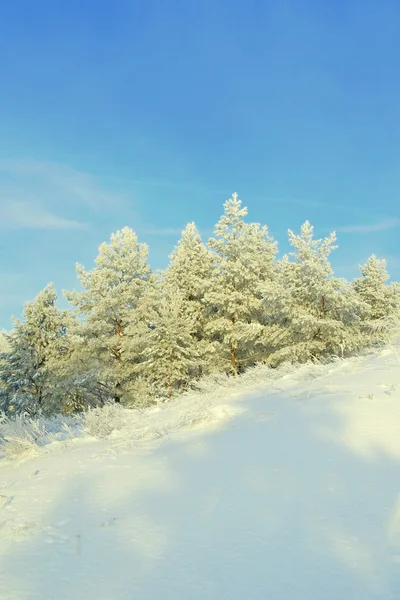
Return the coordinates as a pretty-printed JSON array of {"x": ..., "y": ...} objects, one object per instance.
[{"x": 134, "y": 335}]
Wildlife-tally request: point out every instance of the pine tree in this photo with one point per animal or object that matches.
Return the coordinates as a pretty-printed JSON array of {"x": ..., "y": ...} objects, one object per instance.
[
  {"x": 244, "y": 262},
  {"x": 313, "y": 313},
  {"x": 111, "y": 301},
  {"x": 170, "y": 354},
  {"x": 189, "y": 273},
  {"x": 4, "y": 345},
  {"x": 383, "y": 300},
  {"x": 28, "y": 369},
  {"x": 77, "y": 375},
  {"x": 4, "y": 349}
]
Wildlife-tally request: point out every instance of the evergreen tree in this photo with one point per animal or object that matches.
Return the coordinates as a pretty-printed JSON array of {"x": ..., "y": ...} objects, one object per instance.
[
  {"x": 4, "y": 344},
  {"x": 28, "y": 369},
  {"x": 244, "y": 262},
  {"x": 313, "y": 314},
  {"x": 111, "y": 300},
  {"x": 383, "y": 300},
  {"x": 77, "y": 375},
  {"x": 221, "y": 307},
  {"x": 4, "y": 349},
  {"x": 189, "y": 273},
  {"x": 170, "y": 353}
]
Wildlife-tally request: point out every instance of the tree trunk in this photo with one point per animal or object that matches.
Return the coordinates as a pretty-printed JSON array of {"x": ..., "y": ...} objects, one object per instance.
[
  {"x": 117, "y": 393},
  {"x": 234, "y": 366},
  {"x": 322, "y": 315},
  {"x": 232, "y": 352}
]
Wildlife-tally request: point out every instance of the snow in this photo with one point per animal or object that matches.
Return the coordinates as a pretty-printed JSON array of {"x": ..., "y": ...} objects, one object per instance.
[{"x": 284, "y": 490}]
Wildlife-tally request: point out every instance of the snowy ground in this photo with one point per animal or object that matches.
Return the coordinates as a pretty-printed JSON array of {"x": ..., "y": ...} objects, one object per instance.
[{"x": 289, "y": 490}]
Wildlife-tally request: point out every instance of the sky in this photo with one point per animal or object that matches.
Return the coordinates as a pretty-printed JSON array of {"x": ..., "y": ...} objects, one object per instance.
[{"x": 151, "y": 114}]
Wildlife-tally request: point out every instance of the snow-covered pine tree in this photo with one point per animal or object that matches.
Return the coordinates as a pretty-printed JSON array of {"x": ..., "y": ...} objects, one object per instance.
[
  {"x": 189, "y": 272},
  {"x": 4, "y": 345},
  {"x": 313, "y": 313},
  {"x": 4, "y": 349},
  {"x": 112, "y": 300},
  {"x": 244, "y": 262},
  {"x": 383, "y": 300},
  {"x": 37, "y": 344},
  {"x": 76, "y": 374},
  {"x": 170, "y": 355}
]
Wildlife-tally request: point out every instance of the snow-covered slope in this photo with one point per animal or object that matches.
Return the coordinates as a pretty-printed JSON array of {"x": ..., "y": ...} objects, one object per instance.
[{"x": 287, "y": 491}]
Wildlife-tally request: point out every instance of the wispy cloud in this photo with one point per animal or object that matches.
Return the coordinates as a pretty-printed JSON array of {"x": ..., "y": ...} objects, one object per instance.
[
  {"x": 318, "y": 204},
  {"x": 225, "y": 192},
  {"x": 22, "y": 215},
  {"x": 43, "y": 195},
  {"x": 370, "y": 227},
  {"x": 61, "y": 181},
  {"x": 178, "y": 185}
]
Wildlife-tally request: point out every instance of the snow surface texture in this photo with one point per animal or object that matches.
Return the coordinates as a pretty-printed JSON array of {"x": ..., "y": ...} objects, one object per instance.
[{"x": 281, "y": 489}]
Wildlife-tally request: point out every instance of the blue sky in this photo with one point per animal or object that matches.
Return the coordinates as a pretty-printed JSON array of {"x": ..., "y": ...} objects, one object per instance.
[{"x": 150, "y": 114}]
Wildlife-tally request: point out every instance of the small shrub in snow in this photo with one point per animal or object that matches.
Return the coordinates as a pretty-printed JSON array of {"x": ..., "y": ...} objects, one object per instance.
[
  {"x": 102, "y": 421},
  {"x": 21, "y": 438},
  {"x": 24, "y": 437}
]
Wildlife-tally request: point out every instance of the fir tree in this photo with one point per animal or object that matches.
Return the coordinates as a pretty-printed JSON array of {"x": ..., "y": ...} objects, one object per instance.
[
  {"x": 4, "y": 344},
  {"x": 4, "y": 349},
  {"x": 37, "y": 345},
  {"x": 244, "y": 262},
  {"x": 313, "y": 314},
  {"x": 189, "y": 273},
  {"x": 383, "y": 300},
  {"x": 111, "y": 300},
  {"x": 217, "y": 308},
  {"x": 170, "y": 354}
]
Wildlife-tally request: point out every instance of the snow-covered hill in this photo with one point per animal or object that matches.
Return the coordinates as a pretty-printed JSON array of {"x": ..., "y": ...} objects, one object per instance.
[{"x": 286, "y": 489}]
